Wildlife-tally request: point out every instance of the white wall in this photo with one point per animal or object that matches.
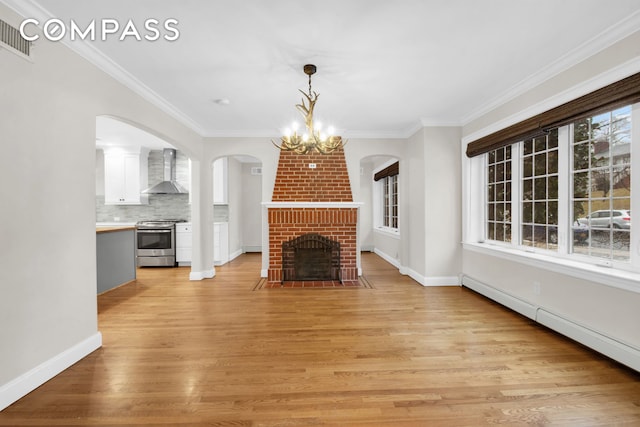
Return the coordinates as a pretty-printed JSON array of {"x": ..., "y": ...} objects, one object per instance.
[
  {"x": 443, "y": 205},
  {"x": 365, "y": 221},
  {"x": 430, "y": 176},
  {"x": 593, "y": 304},
  {"x": 234, "y": 185},
  {"x": 251, "y": 208},
  {"x": 47, "y": 220}
]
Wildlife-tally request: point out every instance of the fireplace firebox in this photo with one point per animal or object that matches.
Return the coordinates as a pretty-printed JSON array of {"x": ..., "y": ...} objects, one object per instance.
[{"x": 310, "y": 257}]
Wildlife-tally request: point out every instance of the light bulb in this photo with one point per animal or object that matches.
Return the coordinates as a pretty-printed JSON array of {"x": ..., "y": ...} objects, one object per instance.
[
  {"x": 294, "y": 126},
  {"x": 305, "y": 137},
  {"x": 331, "y": 131},
  {"x": 318, "y": 126}
]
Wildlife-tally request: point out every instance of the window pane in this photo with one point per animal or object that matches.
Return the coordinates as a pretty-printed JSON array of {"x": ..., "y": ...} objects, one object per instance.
[
  {"x": 553, "y": 139},
  {"x": 580, "y": 185},
  {"x": 552, "y": 187},
  {"x": 540, "y": 189},
  {"x": 527, "y": 212},
  {"x": 602, "y": 193},
  {"x": 580, "y": 156},
  {"x": 553, "y": 161},
  {"x": 527, "y": 189},
  {"x": 541, "y": 164},
  {"x": 527, "y": 146},
  {"x": 527, "y": 169}
]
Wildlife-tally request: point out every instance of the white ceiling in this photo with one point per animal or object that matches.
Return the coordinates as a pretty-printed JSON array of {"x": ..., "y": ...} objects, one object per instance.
[{"x": 384, "y": 67}]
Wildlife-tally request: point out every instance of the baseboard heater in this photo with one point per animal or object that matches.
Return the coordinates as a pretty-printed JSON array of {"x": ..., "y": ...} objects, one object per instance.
[{"x": 616, "y": 350}]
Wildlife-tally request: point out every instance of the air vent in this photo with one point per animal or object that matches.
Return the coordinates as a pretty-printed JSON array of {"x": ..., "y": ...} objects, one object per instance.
[
  {"x": 256, "y": 171},
  {"x": 11, "y": 39}
]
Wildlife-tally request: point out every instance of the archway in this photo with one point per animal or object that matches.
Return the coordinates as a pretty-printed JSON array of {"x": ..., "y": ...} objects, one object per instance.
[{"x": 237, "y": 209}]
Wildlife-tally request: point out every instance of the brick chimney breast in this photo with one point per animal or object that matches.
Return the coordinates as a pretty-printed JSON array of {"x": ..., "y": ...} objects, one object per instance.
[
  {"x": 312, "y": 178},
  {"x": 312, "y": 194}
]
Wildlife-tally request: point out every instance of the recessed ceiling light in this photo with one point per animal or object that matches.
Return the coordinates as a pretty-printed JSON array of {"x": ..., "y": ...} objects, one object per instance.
[{"x": 222, "y": 101}]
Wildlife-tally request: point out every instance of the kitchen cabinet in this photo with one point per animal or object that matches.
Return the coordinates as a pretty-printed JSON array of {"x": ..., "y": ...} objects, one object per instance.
[
  {"x": 125, "y": 176},
  {"x": 220, "y": 243},
  {"x": 183, "y": 243}
]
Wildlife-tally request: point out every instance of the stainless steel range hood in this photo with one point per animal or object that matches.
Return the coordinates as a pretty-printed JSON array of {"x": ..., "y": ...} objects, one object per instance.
[{"x": 169, "y": 185}]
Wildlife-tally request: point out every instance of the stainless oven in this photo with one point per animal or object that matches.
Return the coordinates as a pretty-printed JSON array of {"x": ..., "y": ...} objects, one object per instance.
[{"x": 156, "y": 243}]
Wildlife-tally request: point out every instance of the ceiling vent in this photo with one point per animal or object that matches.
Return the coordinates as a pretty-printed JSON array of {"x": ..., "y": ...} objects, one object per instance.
[{"x": 12, "y": 40}]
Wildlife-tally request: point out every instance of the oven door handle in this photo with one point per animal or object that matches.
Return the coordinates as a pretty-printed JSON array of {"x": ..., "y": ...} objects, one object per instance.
[{"x": 154, "y": 231}]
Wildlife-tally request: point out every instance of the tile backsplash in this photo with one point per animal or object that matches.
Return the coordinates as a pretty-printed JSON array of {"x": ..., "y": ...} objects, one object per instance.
[{"x": 161, "y": 206}]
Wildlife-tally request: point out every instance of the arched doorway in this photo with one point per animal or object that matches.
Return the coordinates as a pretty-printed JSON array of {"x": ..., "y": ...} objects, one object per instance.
[{"x": 237, "y": 209}]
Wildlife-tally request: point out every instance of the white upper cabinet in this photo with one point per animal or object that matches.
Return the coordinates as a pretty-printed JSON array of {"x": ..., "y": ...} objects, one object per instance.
[
  {"x": 220, "y": 181},
  {"x": 125, "y": 176}
]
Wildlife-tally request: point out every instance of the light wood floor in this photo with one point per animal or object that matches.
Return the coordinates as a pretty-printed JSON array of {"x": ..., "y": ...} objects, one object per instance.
[{"x": 216, "y": 352}]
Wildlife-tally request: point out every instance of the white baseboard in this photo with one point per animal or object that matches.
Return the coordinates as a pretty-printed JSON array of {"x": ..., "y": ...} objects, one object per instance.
[
  {"x": 246, "y": 249},
  {"x": 423, "y": 280},
  {"x": 264, "y": 273},
  {"x": 387, "y": 258},
  {"x": 29, "y": 381},
  {"x": 431, "y": 280},
  {"x": 201, "y": 275},
  {"x": 235, "y": 254},
  {"x": 624, "y": 353}
]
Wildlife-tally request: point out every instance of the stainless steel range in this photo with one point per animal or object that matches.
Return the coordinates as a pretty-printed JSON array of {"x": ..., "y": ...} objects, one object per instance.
[{"x": 156, "y": 243}]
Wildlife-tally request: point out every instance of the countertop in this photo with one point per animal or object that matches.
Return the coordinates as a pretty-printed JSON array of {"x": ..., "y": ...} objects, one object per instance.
[{"x": 109, "y": 229}]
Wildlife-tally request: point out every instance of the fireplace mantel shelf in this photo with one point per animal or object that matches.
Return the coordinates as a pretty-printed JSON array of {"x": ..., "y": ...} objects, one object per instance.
[{"x": 312, "y": 204}]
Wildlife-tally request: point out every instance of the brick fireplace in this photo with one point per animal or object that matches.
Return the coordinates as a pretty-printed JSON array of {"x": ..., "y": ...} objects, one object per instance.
[{"x": 312, "y": 197}]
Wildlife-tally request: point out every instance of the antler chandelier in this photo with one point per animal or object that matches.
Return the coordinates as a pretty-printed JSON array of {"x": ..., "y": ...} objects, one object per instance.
[{"x": 314, "y": 139}]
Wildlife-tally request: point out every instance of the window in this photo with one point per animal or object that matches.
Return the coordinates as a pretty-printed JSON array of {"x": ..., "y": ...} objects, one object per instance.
[
  {"x": 567, "y": 192},
  {"x": 499, "y": 195},
  {"x": 601, "y": 179},
  {"x": 390, "y": 201},
  {"x": 386, "y": 197},
  {"x": 540, "y": 191}
]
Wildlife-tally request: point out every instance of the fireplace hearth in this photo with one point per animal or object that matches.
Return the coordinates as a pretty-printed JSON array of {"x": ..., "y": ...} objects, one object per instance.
[{"x": 310, "y": 257}]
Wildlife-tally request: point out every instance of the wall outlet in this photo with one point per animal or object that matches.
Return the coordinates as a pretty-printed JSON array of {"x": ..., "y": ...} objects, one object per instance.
[
  {"x": 312, "y": 165},
  {"x": 116, "y": 218}
]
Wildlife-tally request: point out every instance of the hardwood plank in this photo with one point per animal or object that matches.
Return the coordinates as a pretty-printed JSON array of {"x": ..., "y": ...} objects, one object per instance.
[{"x": 218, "y": 352}]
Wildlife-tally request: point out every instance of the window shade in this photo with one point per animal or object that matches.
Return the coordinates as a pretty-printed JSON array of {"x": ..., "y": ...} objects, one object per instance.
[
  {"x": 391, "y": 170},
  {"x": 618, "y": 94}
]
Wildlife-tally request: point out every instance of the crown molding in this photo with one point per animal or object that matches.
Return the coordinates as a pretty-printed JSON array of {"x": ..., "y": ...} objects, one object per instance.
[
  {"x": 605, "y": 39},
  {"x": 30, "y": 9}
]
